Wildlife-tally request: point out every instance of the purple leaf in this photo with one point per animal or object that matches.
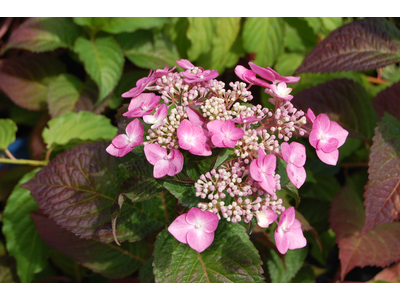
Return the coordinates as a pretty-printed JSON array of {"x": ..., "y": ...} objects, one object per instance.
[
  {"x": 388, "y": 100},
  {"x": 79, "y": 190},
  {"x": 366, "y": 44},
  {"x": 25, "y": 79},
  {"x": 107, "y": 259},
  {"x": 344, "y": 101}
]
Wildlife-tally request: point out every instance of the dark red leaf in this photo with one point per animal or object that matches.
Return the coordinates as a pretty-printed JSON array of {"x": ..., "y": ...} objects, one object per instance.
[
  {"x": 382, "y": 193},
  {"x": 344, "y": 101},
  {"x": 391, "y": 274},
  {"x": 388, "y": 100},
  {"x": 379, "y": 247},
  {"x": 366, "y": 44}
]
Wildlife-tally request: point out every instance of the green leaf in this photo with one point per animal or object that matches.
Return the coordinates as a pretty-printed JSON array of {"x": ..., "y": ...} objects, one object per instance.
[
  {"x": 146, "y": 272},
  {"x": 201, "y": 32},
  {"x": 23, "y": 240},
  {"x": 223, "y": 156},
  {"x": 184, "y": 192},
  {"x": 299, "y": 35},
  {"x": 177, "y": 33},
  {"x": 103, "y": 60},
  {"x": 140, "y": 49},
  {"x": 83, "y": 125},
  {"x": 25, "y": 79},
  {"x": 117, "y": 25},
  {"x": 8, "y": 129},
  {"x": 293, "y": 259},
  {"x": 230, "y": 258},
  {"x": 331, "y": 23},
  {"x": 304, "y": 275},
  {"x": 67, "y": 93},
  {"x": 265, "y": 37},
  {"x": 44, "y": 34},
  {"x": 288, "y": 62}
]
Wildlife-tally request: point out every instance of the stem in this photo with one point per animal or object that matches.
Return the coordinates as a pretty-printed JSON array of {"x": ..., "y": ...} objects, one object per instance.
[
  {"x": 48, "y": 153},
  {"x": 9, "y": 154},
  {"x": 24, "y": 162},
  {"x": 376, "y": 80}
]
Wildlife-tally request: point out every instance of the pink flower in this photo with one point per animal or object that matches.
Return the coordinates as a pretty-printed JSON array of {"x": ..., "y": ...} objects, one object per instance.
[
  {"x": 186, "y": 64},
  {"x": 266, "y": 217},
  {"x": 122, "y": 144},
  {"x": 141, "y": 85},
  {"x": 271, "y": 75},
  {"x": 195, "y": 118},
  {"x": 262, "y": 170},
  {"x": 310, "y": 116},
  {"x": 142, "y": 105},
  {"x": 326, "y": 137},
  {"x": 250, "y": 77},
  {"x": 295, "y": 157},
  {"x": 224, "y": 133},
  {"x": 200, "y": 76},
  {"x": 192, "y": 138},
  {"x": 158, "y": 118},
  {"x": 281, "y": 91},
  {"x": 161, "y": 72},
  {"x": 289, "y": 235},
  {"x": 164, "y": 164},
  {"x": 195, "y": 228}
]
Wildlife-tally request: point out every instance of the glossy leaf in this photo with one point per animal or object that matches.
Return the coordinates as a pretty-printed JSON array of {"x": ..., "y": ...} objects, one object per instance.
[
  {"x": 265, "y": 37},
  {"x": 83, "y": 125},
  {"x": 230, "y": 258},
  {"x": 79, "y": 190},
  {"x": 382, "y": 193},
  {"x": 67, "y": 94},
  {"x": 44, "y": 34},
  {"x": 344, "y": 101},
  {"x": 280, "y": 271},
  {"x": 103, "y": 60},
  {"x": 23, "y": 240},
  {"x": 25, "y": 79},
  {"x": 388, "y": 100},
  {"x": 117, "y": 25},
  {"x": 184, "y": 192},
  {"x": 201, "y": 33},
  {"x": 8, "y": 129},
  {"x": 107, "y": 259},
  {"x": 143, "y": 51},
  {"x": 366, "y": 44},
  {"x": 378, "y": 247}
]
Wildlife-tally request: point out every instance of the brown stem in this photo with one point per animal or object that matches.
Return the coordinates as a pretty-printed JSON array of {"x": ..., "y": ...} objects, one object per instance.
[{"x": 376, "y": 80}]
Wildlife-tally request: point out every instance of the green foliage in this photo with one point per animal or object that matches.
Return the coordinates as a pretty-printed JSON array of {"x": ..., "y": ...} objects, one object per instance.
[
  {"x": 8, "y": 129},
  {"x": 23, "y": 240}
]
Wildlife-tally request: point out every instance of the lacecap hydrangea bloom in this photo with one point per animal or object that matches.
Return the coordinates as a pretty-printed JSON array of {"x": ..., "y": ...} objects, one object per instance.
[{"x": 192, "y": 113}]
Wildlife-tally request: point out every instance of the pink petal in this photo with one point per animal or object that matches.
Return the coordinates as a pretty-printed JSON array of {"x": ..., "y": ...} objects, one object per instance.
[
  {"x": 124, "y": 151},
  {"x": 328, "y": 145},
  {"x": 215, "y": 126},
  {"x": 295, "y": 236},
  {"x": 287, "y": 218},
  {"x": 314, "y": 137},
  {"x": 268, "y": 183},
  {"x": 176, "y": 162},
  {"x": 286, "y": 151},
  {"x": 328, "y": 158},
  {"x": 154, "y": 153},
  {"x": 336, "y": 131},
  {"x": 195, "y": 118},
  {"x": 266, "y": 218},
  {"x": 179, "y": 228},
  {"x": 207, "y": 220},
  {"x": 199, "y": 240},
  {"x": 228, "y": 143},
  {"x": 112, "y": 150},
  {"x": 268, "y": 163},
  {"x": 281, "y": 241},
  {"x": 161, "y": 168},
  {"x": 120, "y": 141},
  {"x": 135, "y": 128},
  {"x": 236, "y": 133},
  {"x": 240, "y": 71},
  {"x": 184, "y": 63},
  {"x": 298, "y": 154},
  {"x": 322, "y": 123},
  {"x": 297, "y": 175},
  {"x": 264, "y": 73},
  {"x": 310, "y": 116},
  {"x": 217, "y": 140},
  {"x": 255, "y": 171}
]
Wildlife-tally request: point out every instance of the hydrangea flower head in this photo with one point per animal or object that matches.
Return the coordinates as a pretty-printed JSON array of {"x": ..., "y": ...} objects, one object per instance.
[
  {"x": 326, "y": 137},
  {"x": 164, "y": 164},
  {"x": 289, "y": 235},
  {"x": 122, "y": 144},
  {"x": 195, "y": 228}
]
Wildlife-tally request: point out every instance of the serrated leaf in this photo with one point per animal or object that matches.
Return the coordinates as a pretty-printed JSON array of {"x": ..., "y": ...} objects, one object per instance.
[
  {"x": 44, "y": 34},
  {"x": 201, "y": 33},
  {"x": 67, "y": 94},
  {"x": 103, "y": 60},
  {"x": 25, "y": 79},
  {"x": 230, "y": 258},
  {"x": 143, "y": 51},
  {"x": 284, "y": 272},
  {"x": 366, "y": 44},
  {"x": 265, "y": 37},
  {"x": 344, "y": 101},
  {"x": 117, "y": 25},
  {"x": 79, "y": 190},
  {"x": 107, "y": 259},
  {"x": 83, "y": 125},
  {"x": 23, "y": 240},
  {"x": 184, "y": 192},
  {"x": 388, "y": 100},
  {"x": 382, "y": 193},
  {"x": 378, "y": 247},
  {"x": 8, "y": 129}
]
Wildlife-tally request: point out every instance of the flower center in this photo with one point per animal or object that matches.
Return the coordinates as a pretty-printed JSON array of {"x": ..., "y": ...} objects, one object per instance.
[
  {"x": 197, "y": 226},
  {"x": 166, "y": 157},
  {"x": 188, "y": 139}
]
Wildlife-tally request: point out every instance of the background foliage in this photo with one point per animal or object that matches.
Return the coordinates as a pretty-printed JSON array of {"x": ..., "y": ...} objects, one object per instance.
[{"x": 60, "y": 86}]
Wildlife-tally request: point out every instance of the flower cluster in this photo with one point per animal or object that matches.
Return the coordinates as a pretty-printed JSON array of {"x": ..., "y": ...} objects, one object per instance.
[{"x": 194, "y": 113}]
